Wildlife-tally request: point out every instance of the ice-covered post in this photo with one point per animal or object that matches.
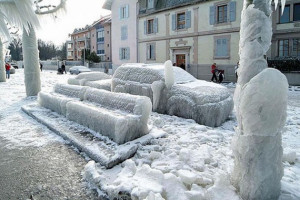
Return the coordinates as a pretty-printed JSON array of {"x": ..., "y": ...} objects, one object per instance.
[
  {"x": 2, "y": 67},
  {"x": 31, "y": 62},
  {"x": 169, "y": 74},
  {"x": 260, "y": 102}
]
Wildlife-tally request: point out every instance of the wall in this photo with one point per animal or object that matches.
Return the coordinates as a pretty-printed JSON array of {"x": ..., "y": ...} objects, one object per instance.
[
  {"x": 131, "y": 23},
  {"x": 93, "y": 40},
  {"x": 107, "y": 41}
]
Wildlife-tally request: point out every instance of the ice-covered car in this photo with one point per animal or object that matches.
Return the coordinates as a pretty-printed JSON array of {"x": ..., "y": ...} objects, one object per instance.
[
  {"x": 12, "y": 70},
  {"x": 176, "y": 93},
  {"x": 97, "y": 80},
  {"x": 79, "y": 69}
]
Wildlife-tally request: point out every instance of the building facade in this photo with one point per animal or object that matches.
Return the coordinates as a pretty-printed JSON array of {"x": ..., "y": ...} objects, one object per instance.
[
  {"x": 80, "y": 39},
  {"x": 286, "y": 32},
  {"x": 95, "y": 37},
  {"x": 192, "y": 34},
  {"x": 123, "y": 31}
]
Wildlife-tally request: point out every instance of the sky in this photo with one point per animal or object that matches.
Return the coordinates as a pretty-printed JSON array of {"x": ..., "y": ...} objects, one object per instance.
[{"x": 79, "y": 13}]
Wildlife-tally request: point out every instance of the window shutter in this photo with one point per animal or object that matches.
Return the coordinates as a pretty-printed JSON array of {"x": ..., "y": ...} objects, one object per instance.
[
  {"x": 120, "y": 13},
  {"x": 145, "y": 27},
  {"x": 127, "y": 11},
  {"x": 212, "y": 15},
  {"x": 120, "y": 54},
  {"x": 225, "y": 47},
  {"x": 153, "y": 51},
  {"x": 232, "y": 11},
  {"x": 155, "y": 25},
  {"x": 188, "y": 19},
  {"x": 173, "y": 22},
  {"x": 127, "y": 53},
  {"x": 148, "y": 52}
]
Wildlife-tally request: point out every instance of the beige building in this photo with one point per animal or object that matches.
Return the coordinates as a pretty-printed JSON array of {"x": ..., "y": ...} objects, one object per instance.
[
  {"x": 286, "y": 31},
  {"x": 193, "y": 34},
  {"x": 80, "y": 39}
]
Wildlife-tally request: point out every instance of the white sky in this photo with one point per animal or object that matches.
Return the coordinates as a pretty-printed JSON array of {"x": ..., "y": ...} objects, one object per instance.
[{"x": 79, "y": 13}]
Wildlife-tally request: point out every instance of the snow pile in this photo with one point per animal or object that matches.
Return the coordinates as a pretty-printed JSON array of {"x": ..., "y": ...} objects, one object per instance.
[
  {"x": 121, "y": 117},
  {"x": 175, "y": 92},
  {"x": 84, "y": 78}
]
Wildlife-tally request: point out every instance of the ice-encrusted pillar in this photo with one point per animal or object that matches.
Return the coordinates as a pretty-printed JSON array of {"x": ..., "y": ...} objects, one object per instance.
[
  {"x": 31, "y": 62},
  {"x": 2, "y": 64},
  {"x": 260, "y": 101}
]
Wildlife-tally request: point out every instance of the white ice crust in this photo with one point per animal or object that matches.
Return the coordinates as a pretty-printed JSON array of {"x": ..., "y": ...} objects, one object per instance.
[
  {"x": 206, "y": 103},
  {"x": 98, "y": 80},
  {"x": 121, "y": 117}
]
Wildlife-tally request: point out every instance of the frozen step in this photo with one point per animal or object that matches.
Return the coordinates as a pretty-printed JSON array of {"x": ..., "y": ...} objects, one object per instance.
[{"x": 97, "y": 147}]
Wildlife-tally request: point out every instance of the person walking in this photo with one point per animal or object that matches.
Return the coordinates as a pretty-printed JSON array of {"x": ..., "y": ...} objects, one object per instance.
[
  {"x": 63, "y": 68},
  {"x": 214, "y": 70},
  {"x": 41, "y": 66},
  {"x": 7, "y": 68}
]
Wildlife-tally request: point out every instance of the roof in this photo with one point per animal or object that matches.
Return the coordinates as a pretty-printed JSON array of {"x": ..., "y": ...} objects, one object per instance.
[{"x": 107, "y": 4}]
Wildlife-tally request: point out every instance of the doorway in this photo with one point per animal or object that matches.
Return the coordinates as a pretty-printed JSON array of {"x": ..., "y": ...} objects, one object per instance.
[{"x": 180, "y": 61}]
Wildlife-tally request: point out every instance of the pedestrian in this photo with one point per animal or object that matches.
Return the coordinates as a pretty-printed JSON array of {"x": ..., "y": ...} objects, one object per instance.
[
  {"x": 63, "y": 68},
  {"x": 41, "y": 67},
  {"x": 7, "y": 68},
  {"x": 235, "y": 70},
  {"x": 214, "y": 70}
]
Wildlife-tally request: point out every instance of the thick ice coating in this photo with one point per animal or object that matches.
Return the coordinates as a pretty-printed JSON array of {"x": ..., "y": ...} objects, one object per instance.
[
  {"x": 206, "y": 103},
  {"x": 121, "y": 117},
  {"x": 89, "y": 79}
]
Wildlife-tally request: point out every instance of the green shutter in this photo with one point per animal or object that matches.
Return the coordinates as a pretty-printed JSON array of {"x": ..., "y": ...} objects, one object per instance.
[
  {"x": 232, "y": 11},
  {"x": 155, "y": 25},
  {"x": 212, "y": 15},
  {"x": 188, "y": 19},
  {"x": 174, "y": 22},
  {"x": 145, "y": 27},
  {"x": 127, "y": 11}
]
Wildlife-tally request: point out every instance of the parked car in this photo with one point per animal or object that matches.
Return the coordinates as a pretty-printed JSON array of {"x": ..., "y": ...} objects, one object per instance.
[
  {"x": 207, "y": 103},
  {"x": 14, "y": 65},
  {"x": 79, "y": 69}
]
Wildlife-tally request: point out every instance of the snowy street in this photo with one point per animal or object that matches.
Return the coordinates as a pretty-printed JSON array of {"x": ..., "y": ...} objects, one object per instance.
[
  {"x": 34, "y": 161},
  {"x": 194, "y": 159}
]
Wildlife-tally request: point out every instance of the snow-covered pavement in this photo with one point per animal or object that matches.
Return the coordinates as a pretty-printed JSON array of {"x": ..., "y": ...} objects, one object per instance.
[
  {"x": 191, "y": 162},
  {"x": 34, "y": 161}
]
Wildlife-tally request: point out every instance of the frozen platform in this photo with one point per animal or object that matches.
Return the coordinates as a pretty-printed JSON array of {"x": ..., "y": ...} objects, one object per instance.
[{"x": 97, "y": 147}]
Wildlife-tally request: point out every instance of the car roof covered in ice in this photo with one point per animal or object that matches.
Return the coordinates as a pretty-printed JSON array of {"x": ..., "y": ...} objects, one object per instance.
[{"x": 148, "y": 73}]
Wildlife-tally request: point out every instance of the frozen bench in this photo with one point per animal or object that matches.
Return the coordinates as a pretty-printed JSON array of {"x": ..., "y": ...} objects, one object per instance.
[{"x": 121, "y": 117}]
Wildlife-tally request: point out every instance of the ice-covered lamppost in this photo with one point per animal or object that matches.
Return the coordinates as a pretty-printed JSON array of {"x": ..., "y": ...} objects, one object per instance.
[
  {"x": 2, "y": 67},
  {"x": 260, "y": 103}
]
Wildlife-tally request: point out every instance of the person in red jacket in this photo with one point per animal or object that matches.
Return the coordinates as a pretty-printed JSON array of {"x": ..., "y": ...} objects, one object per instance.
[
  {"x": 7, "y": 68},
  {"x": 214, "y": 71}
]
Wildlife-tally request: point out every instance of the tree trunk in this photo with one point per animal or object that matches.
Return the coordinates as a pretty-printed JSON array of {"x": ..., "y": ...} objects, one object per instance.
[
  {"x": 2, "y": 64},
  {"x": 31, "y": 62}
]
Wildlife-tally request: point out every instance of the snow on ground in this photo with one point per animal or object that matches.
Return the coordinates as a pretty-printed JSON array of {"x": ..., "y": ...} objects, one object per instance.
[
  {"x": 16, "y": 127},
  {"x": 191, "y": 162}
]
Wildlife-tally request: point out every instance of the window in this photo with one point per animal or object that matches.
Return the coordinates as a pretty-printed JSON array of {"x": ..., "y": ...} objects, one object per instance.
[
  {"x": 150, "y": 26},
  {"x": 285, "y": 17},
  {"x": 124, "y": 12},
  {"x": 100, "y": 35},
  {"x": 70, "y": 46},
  {"x": 296, "y": 48},
  {"x": 100, "y": 48},
  {"x": 124, "y": 32},
  {"x": 150, "y": 4},
  {"x": 222, "y": 14},
  {"x": 297, "y": 12},
  {"x": 221, "y": 48},
  {"x": 107, "y": 45},
  {"x": 150, "y": 51},
  {"x": 70, "y": 54},
  {"x": 283, "y": 48},
  {"x": 181, "y": 21},
  {"x": 124, "y": 54}
]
